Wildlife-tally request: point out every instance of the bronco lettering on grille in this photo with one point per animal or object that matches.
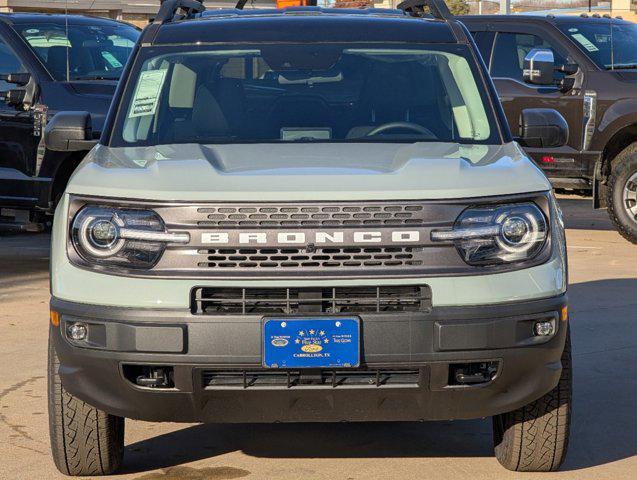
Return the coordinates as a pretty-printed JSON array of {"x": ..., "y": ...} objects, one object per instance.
[{"x": 317, "y": 237}]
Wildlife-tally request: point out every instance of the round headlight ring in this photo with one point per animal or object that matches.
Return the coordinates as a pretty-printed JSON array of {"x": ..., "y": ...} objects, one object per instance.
[
  {"x": 510, "y": 226},
  {"x": 92, "y": 226}
]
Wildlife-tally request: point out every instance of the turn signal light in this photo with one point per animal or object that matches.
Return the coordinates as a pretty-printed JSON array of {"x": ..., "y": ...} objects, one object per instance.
[{"x": 55, "y": 318}]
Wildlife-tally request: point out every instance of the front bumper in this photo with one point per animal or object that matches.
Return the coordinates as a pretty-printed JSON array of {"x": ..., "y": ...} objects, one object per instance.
[{"x": 422, "y": 343}]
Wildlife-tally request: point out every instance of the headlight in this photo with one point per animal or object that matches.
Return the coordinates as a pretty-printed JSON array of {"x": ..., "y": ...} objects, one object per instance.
[
  {"x": 122, "y": 237},
  {"x": 498, "y": 234}
]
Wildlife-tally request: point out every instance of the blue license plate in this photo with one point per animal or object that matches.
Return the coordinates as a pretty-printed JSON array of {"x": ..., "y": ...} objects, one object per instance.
[{"x": 311, "y": 342}]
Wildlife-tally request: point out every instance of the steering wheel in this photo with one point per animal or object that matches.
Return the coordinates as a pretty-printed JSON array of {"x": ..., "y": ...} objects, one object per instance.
[{"x": 414, "y": 127}]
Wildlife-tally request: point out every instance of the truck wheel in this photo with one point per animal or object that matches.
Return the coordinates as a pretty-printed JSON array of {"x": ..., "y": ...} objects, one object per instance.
[
  {"x": 621, "y": 194},
  {"x": 534, "y": 438},
  {"x": 84, "y": 440}
]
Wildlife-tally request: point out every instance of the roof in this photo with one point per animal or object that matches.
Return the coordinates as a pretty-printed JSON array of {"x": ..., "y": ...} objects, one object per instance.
[
  {"x": 59, "y": 19},
  {"x": 530, "y": 18},
  {"x": 305, "y": 26}
]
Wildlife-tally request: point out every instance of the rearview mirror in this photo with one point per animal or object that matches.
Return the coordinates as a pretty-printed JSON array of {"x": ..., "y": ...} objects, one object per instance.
[
  {"x": 539, "y": 67},
  {"x": 69, "y": 132},
  {"x": 542, "y": 128}
]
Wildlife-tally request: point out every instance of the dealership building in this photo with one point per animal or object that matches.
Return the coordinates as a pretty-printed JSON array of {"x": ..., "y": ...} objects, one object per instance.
[{"x": 140, "y": 11}]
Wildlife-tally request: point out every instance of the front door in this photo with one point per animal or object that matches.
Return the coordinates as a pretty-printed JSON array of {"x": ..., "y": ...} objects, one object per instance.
[
  {"x": 510, "y": 47},
  {"x": 18, "y": 144}
]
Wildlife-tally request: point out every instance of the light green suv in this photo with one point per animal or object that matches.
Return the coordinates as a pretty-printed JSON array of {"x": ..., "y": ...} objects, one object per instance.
[{"x": 308, "y": 215}]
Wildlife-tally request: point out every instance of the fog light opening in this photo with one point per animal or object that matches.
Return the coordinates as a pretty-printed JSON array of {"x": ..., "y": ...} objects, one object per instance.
[
  {"x": 77, "y": 331},
  {"x": 544, "y": 328},
  {"x": 150, "y": 376}
]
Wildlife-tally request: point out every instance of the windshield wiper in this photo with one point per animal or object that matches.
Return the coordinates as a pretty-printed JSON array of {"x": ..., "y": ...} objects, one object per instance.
[
  {"x": 632, "y": 66},
  {"x": 93, "y": 77}
]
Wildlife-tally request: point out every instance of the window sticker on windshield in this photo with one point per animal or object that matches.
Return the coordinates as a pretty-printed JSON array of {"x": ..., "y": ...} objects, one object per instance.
[
  {"x": 147, "y": 93},
  {"x": 586, "y": 43},
  {"x": 112, "y": 61}
]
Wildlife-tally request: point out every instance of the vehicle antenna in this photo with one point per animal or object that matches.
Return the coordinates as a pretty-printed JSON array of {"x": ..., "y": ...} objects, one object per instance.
[
  {"x": 66, "y": 33},
  {"x": 612, "y": 46}
]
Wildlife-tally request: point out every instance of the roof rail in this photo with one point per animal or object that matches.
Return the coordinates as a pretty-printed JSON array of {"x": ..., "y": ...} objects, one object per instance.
[
  {"x": 416, "y": 8},
  {"x": 241, "y": 4},
  {"x": 171, "y": 10}
]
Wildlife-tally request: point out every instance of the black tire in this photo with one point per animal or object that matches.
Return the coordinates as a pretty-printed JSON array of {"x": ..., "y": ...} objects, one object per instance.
[
  {"x": 84, "y": 440},
  {"x": 624, "y": 167},
  {"x": 534, "y": 438}
]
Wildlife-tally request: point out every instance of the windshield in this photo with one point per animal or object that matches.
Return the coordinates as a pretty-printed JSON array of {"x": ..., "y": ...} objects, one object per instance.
[
  {"x": 304, "y": 93},
  {"x": 610, "y": 45},
  {"x": 95, "y": 52}
]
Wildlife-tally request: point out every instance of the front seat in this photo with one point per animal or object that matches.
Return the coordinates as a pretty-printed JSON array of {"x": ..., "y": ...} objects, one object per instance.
[
  {"x": 208, "y": 120},
  {"x": 56, "y": 61}
]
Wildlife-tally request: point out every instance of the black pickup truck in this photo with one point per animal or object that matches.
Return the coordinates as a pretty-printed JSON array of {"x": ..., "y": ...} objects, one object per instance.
[
  {"x": 51, "y": 63},
  {"x": 595, "y": 89}
]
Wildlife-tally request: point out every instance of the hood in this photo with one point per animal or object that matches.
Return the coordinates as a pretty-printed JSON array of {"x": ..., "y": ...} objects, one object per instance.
[
  {"x": 310, "y": 171},
  {"x": 629, "y": 76},
  {"x": 97, "y": 88}
]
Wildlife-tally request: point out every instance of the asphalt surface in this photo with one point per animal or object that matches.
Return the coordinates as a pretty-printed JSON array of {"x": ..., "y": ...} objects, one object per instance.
[{"x": 603, "y": 297}]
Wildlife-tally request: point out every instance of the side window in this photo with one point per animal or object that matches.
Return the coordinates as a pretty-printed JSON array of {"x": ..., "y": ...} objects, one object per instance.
[
  {"x": 9, "y": 63},
  {"x": 510, "y": 50},
  {"x": 484, "y": 42}
]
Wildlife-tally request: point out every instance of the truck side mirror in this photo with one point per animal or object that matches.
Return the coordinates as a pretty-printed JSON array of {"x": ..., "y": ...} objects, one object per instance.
[
  {"x": 542, "y": 128},
  {"x": 539, "y": 67},
  {"x": 69, "y": 132},
  {"x": 22, "y": 97},
  {"x": 19, "y": 79},
  {"x": 14, "y": 97}
]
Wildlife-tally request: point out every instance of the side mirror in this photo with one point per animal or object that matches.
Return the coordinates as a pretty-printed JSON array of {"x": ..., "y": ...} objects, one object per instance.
[
  {"x": 69, "y": 132},
  {"x": 23, "y": 96},
  {"x": 14, "y": 97},
  {"x": 19, "y": 79},
  {"x": 542, "y": 128},
  {"x": 539, "y": 67},
  {"x": 568, "y": 68}
]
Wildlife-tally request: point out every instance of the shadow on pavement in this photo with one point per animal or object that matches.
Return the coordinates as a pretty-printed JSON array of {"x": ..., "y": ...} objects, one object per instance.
[
  {"x": 580, "y": 215},
  {"x": 603, "y": 322}
]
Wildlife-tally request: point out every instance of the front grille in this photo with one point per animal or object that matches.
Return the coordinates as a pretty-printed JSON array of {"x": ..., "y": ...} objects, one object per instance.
[
  {"x": 291, "y": 301},
  {"x": 312, "y": 215},
  {"x": 328, "y": 258},
  {"x": 328, "y": 378}
]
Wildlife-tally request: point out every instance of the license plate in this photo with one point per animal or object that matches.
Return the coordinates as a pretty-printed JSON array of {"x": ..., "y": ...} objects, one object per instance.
[{"x": 316, "y": 342}]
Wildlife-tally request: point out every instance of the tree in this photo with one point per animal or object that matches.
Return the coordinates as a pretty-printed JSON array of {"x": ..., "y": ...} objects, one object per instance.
[{"x": 458, "y": 7}]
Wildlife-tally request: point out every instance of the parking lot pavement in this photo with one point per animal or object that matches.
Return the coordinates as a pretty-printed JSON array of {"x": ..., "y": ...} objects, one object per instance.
[{"x": 603, "y": 298}]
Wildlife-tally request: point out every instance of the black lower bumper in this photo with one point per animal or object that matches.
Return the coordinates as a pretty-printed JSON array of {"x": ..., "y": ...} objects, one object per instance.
[{"x": 406, "y": 360}]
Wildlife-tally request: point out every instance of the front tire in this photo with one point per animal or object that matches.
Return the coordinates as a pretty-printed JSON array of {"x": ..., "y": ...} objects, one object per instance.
[
  {"x": 621, "y": 193},
  {"x": 84, "y": 440},
  {"x": 534, "y": 438}
]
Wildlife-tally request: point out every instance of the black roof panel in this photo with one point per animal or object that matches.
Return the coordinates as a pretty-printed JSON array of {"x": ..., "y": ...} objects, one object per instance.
[
  {"x": 535, "y": 18},
  {"x": 304, "y": 27}
]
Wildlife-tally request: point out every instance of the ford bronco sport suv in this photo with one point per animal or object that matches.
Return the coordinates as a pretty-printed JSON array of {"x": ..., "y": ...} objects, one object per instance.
[
  {"x": 595, "y": 88},
  {"x": 308, "y": 215}
]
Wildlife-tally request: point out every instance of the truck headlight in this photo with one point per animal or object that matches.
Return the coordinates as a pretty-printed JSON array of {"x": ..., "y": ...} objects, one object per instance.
[
  {"x": 121, "y": 237},
  {"x": 497, "y": 234}
]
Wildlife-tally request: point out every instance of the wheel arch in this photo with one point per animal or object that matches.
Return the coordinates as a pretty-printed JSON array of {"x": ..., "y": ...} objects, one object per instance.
[
  {"x": 59, "y": 166},
  {"x": 621, "y": 139}
]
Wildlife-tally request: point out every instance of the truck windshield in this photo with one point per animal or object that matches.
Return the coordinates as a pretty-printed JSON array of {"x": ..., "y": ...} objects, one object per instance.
[
  {"x": 83, "y": 52},
  {"x": 304, "y": 93},
  {"x": 609, "y": 44}
]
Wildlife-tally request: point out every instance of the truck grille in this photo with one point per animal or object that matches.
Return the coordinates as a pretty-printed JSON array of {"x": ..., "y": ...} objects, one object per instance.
[
  {"x": 311, "y": 215},
  {"x": 290, "y": 301},
  {"x": 328, "y": 258},
  {"x": 374, "y": 378}
]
